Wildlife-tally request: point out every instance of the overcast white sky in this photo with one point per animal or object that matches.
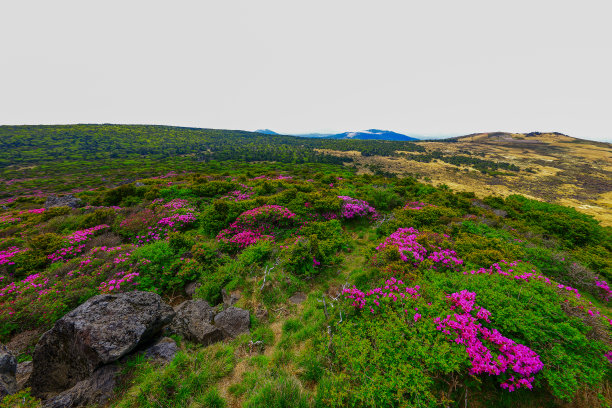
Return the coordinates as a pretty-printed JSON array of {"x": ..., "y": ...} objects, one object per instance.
[{"x": 419, "y": 67}]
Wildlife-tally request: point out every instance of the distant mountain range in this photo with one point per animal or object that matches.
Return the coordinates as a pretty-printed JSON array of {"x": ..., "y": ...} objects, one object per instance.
[{"x": 375, "y": 134}]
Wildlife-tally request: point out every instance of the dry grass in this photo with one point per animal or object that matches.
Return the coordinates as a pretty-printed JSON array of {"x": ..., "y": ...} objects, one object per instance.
[{"x": 568, "y": 171}]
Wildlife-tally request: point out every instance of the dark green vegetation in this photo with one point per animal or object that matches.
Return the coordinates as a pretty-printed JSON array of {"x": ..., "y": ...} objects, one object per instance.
[
  {"x": 270, "y": 231},
  {"x": 47, "y": 158}
]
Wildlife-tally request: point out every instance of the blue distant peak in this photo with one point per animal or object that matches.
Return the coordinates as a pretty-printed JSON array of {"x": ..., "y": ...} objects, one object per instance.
[
  {"x": 266, "y": 131},
  {"x": 375, "y": 134}
]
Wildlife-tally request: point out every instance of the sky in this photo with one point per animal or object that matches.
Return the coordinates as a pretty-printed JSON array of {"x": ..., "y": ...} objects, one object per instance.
[{"x": 416, "y": 67}]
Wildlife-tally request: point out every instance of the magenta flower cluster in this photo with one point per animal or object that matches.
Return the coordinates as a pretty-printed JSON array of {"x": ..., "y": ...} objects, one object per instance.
[
  {"x": 257, "y": 224},
  {"x": 114, "y": 284},
  {"x": 84, "y": 235},
  {"x": 7, "y": 254},
  {"x": 177, "y": 203},
  {"x": 244, "y": 193},
  {"x": 66, "y": 253},
  {"x": 405, "y": 240},
  {"x": 503, "y": 356},
  {"x": 177, "y": 220},
  {"x": 417, "y": 205},
  {"x": 32, "y": 282},
  {"x": 279, "y": 177},
  {"x": 603, "y": 285},
  {"x": 352, "y": 208},
  {"x": 8, "y": 218},
  {"x": 394, "y": 289},
  {"x": 527, "y": 277}
]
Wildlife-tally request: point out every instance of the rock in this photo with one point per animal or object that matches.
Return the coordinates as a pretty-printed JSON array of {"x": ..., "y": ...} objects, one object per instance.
[
  {"x": 297, "y": 298},
  {"x": 95, "y": 390},
  {"x": 163, "y": 351},
  {"x": 24, "y": 371},
  {"x": 8, "y": 369},
  {"x": 480, "y": 204},
  {"x": 98, "y": 332},
  {"x": 139, "y": 184},
  {"x": 193, "y": 321},
  {"x": 64, "y": 201},
  {"x": 233, "y": 321},
  {"x": 229, "y": 299},
  {"x": 500, "y": 213},
  {"x": 191, "y": 287}
]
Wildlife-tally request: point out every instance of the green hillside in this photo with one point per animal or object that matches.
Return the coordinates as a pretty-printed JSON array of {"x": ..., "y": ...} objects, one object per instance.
[{"x": 362, "y": 290}]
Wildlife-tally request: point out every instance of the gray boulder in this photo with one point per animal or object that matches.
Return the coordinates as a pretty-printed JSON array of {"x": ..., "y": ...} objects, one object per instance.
[
  {"x": 63, "y": 201},
  {"x": 8, "y": 369},
  {"x": 93, "y": 391},
  {"x": 163, "y": 351},
  {"x": 24, "y": 371},
  {"x": 194, "y": 320},
  {"x": 233, "y": 321},
  {"x": 191, "y": 287},
  {"x": 98, "y": 332},
  {"x": 297, "y": 298},
  {"x": 229, "y": 299}
]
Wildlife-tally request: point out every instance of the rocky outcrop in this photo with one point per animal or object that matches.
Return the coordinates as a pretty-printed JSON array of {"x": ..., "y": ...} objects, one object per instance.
[
  {"x": 197, "y": 321},
  {"x": 191, "y": 287},
  {"x": 230, "y": 298},
  {"x": 163, "y": 351},
  {"x": 194, "y": 321},
  {"x": 297, "y": 298},
  {"x": 93, "y": 391},
  {"x": 98, "y": 332},
  {"x": 24, "y": 371},
  {"x": 8, "y": 369},
  {"x": 63, "y": 201},
  {"x": 233, "y": 321}
]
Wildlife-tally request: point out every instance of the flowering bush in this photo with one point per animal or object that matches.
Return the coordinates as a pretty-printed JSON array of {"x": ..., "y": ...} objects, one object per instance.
[
  {"x": 417, "y": 205},
  {"x": 7, "y": 254},
  {"x": 507, "y": 355},
  {"x": 84, "y": 235},
  {"x": 261, "y": 223},
  {"x": 353, "y": 208},
  {"x": 601, "y": 284},
  {"x": 244, "y": 193},
  {"x": 415, "y": 249}
]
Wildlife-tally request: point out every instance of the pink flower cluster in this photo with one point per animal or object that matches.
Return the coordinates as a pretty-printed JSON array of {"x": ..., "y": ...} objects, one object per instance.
[
  {"x": 84, "y": 235},
  {"x": 527, "y": 277},
  {"x": 245, "y": 238},
  {"x": 466, "y": 329},
  {"x": 279, "y": 177},
  {"x": 8, "y": 218},
  {"x": 64, "y": 254},
  {"x": 33, "y": 211},
  {"x": 177, "y": 219},
  {"x": 352, "y": 207},
  {"x": 32, "y": 282},
  {"x": 394, "y": 289},
  {"x": 603, "y": 285},
  {"x": 115, "y": 284},
  {"x": 177, "y": 203},
  {"x": 7, "y": 254},
  {"x": 257, "y": 224},
  {"x": 405, "y": 240},
  {"x": 417, "y": 205},
  {"x": 244, "y": 193}
]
